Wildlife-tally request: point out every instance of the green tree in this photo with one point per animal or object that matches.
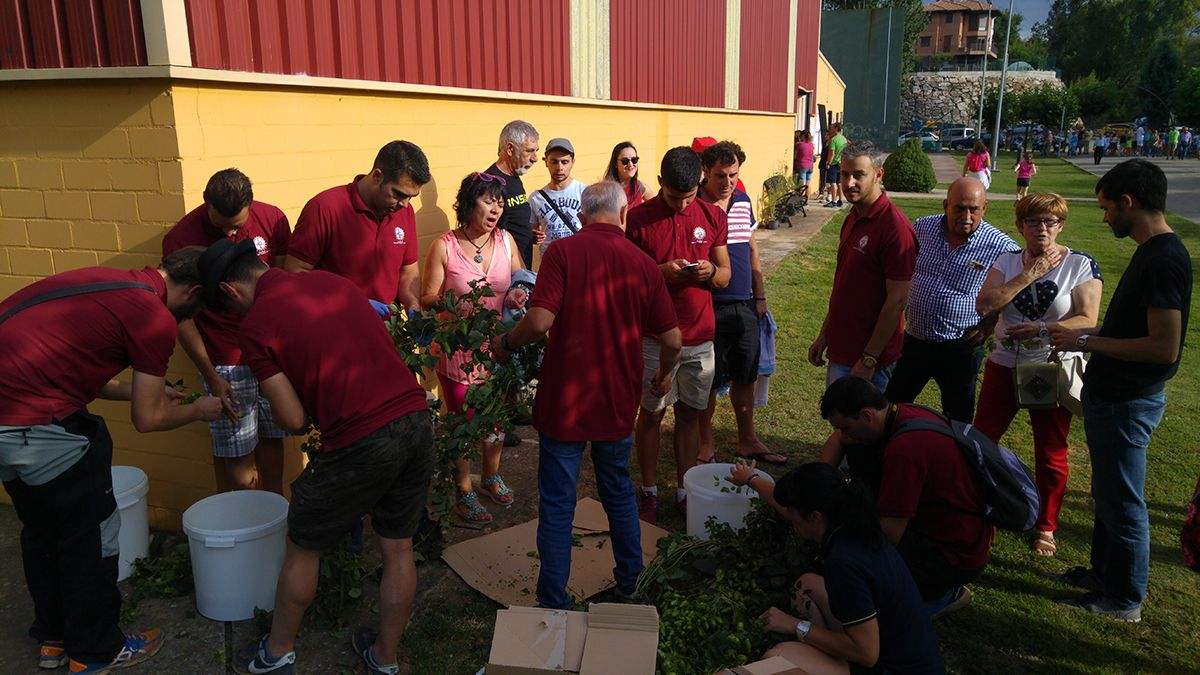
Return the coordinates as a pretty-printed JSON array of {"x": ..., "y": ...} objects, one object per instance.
[
  {"x": 1160, "y": 75},
  {"x": 1100, "y": 101},
  {"x": 1031, "y": 51},
  {"x": 915, "y": 19},
  {"x": 1045, "y": 105},
  {"x": 1187, "y": 99}
]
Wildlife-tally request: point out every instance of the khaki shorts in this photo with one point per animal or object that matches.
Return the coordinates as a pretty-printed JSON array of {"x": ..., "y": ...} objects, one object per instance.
[{"x": 690, "y": 383}]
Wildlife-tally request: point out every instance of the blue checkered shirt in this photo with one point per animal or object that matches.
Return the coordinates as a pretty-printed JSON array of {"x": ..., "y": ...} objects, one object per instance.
[{"x": 941, "y": 301}]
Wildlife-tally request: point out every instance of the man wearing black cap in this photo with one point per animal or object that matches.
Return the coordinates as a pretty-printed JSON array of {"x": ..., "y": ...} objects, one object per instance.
[
  {"x": 376, "y": 452},
  {"x": 556, "y": 206}
]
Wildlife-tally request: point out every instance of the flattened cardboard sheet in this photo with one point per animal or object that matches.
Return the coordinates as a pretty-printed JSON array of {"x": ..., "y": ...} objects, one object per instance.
[{"x": 776, "y": 665}]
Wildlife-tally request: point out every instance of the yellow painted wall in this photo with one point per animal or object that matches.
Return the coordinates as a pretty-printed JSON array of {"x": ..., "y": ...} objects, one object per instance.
[
  {"x": 831, "y": 91},
  {"x": 95, "y": 172}
]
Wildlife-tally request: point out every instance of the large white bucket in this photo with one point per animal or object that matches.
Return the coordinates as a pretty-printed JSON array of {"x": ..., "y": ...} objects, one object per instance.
[
  {"x": 704, "y": 498},
  {"x": 130, "y": 486},
  {"x": 237, "y": 540}
]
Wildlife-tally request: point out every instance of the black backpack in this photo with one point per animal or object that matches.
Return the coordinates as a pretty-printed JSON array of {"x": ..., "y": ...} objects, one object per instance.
[{"x": 1010, "y": 496}]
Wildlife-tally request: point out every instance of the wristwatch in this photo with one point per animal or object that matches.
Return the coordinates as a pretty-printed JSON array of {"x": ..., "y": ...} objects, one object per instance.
[
  {"x": 802, "y": 629},
  {"x": 1081, "y": 342},
  {"x": 870, "y": 361}
]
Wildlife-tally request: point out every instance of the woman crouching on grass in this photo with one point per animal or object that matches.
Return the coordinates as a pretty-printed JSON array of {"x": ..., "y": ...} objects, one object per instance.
[{"x": 865, "y": 614}]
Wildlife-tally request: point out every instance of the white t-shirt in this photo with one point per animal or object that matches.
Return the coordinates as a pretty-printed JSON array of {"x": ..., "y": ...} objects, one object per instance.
[
  {"x": 567, "y": 200},
  {"x": 1047, "y": 299}
]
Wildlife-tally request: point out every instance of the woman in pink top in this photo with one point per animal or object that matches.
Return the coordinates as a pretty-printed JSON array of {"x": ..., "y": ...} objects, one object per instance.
[
  {"x": 978, "y": 164},
  {"x": 804, "y": 159},
  {"x": 623, "y": 169},
  {"x": 475, "y": 250},
  {"x": 1025, "y": 170}
]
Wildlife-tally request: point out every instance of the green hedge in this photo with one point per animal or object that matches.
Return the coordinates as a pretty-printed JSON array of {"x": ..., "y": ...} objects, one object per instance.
[{"x": 908, "y": 169}]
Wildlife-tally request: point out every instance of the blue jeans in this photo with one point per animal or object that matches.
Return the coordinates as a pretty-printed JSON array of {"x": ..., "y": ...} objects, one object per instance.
[
  {"x": 1117, "y": 437},
  {"x": 880, "y": 379},
  {"x": 558, "y": 473}
]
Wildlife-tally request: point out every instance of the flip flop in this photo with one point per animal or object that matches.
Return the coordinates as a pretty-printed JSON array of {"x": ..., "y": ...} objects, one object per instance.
[
  {"x": 1044, "y": 544},
  {"x": 762, "y": 457}
]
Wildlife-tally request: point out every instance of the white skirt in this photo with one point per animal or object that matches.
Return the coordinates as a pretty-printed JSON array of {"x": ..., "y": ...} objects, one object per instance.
[{"x": 984, "y": 177}]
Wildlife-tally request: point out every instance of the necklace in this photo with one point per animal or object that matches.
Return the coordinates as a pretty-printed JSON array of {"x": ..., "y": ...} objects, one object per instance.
[{"x": 478, "y": 247}]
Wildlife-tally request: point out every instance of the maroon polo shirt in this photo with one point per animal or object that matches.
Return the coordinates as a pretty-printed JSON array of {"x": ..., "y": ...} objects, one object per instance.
[
  {"x": 666, "y": 235},
  {"x": 926, "y": 480},
  {"x": 605, "y": 295},
  {"x": 337, "y": 233},
  {"x": 56, "y": 356},
  {"x": 873, "y": 248},
  {"x": 268, "y": 228},
  {"x": 317, "y": 329}
]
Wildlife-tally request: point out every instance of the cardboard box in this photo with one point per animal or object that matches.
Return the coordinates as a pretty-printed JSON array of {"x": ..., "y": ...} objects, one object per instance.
[
  {"x": 776, "y": 665},
  {"x": 504, "y": 565},
  {"x": 610, "y": 639}
]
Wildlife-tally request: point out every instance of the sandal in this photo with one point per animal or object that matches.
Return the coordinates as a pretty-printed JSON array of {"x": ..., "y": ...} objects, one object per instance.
[
  {"x": 765, "y": 457},
  {"x": 469, "y": 508},
  {"x": 712, "y": 459},
  {"x": 1044, "y": 544},
  {"x": 503, "y": 495}
]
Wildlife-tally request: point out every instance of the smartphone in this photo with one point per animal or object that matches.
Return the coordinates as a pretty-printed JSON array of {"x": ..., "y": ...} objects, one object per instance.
[{"x": 690, "y": 267}]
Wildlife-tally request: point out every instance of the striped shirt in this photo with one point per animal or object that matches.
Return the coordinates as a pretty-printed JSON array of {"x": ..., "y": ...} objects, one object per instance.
[
  {"x": 941, "y": 304},
  {"x": 741, "y": 225}
]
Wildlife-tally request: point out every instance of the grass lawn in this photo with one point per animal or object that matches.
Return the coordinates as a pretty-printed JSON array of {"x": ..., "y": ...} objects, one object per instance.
[
  {"x": 1013, "y": 625},
  {"x": 1054, "y": 175}
]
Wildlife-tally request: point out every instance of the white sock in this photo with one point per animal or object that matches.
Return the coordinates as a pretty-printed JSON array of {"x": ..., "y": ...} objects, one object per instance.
[
  {"x": 680, "y": 494},
  {"x": 651, "y": 490}
]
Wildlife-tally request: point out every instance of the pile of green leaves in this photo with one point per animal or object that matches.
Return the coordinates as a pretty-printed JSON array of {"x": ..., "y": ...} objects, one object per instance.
[
  {"x": 710, "y": 594},
  {"x": 165, "y": 572}
]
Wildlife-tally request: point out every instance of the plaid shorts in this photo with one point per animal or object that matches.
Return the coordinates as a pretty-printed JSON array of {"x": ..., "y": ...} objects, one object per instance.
[{"x": 238, "y": 439}]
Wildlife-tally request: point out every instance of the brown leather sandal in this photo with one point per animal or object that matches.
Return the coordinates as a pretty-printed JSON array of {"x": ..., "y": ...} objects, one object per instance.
[{"x": 1044, "y": 544}]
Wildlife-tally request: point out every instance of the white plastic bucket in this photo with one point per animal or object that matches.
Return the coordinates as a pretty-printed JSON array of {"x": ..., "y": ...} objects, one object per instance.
[
  {"x": 237, "y": 540},
  {"x": 704, "y": 498},
  {"x": 130, "y": 486}
]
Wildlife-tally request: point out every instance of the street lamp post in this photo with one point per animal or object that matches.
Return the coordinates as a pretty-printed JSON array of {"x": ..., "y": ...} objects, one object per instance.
[{"x": 1003, "y": 77}]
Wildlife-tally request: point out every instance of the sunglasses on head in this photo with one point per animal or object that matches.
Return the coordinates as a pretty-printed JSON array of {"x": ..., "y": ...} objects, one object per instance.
[
  {"x": 626, "y": 161},
  {"x": 488, "y": 178}
]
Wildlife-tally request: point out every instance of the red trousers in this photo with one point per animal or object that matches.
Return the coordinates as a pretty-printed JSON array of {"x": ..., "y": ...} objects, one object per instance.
[{"x": 995, "y": 412}]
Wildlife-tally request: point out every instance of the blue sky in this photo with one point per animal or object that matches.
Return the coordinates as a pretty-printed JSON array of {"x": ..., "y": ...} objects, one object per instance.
[{"x": 1033, "y": 11}]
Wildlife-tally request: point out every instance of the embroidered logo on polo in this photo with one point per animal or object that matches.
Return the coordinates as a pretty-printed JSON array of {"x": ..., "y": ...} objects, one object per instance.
[
  {"x": 399, "y": 236},
  {"x": 862, "y": 243},
  {"x": 260, "y": 245},
  {"x": 699, "y": 235},
  {"x": 1034, "y": 308}
]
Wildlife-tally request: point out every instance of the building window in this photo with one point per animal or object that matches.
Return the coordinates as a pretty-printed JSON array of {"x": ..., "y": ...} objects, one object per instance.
[
  {"x": 946, "y": 43},
  {"x": 949, "y": 17},
  {"x": 925, "y": 40},
  {"x": 981, "y": 22}
]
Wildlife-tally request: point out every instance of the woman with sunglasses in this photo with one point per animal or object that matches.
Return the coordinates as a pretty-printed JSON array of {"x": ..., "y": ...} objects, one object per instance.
[
  {"x": 476, "y": 250},
  {"x": 865, "y": 615},
  {"x": 1033, "y": 290},
  {"x": 623, "y": 169}
]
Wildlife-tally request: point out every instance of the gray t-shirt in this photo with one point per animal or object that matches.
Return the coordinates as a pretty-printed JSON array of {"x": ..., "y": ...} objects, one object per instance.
[{"x": 567, "y": 200}]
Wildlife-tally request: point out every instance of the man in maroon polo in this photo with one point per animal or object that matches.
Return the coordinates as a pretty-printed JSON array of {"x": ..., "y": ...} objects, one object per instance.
[
  {"x": 246, "y": 442},
  {"x": 596, "y": 295},
  {"x": 863, "y": 329},
  {"x": 319, "y": 350},
  {"x": 367, "y": 231},
  {"x": 62, "y": 341},
  {"x": 686, "y": 238}
]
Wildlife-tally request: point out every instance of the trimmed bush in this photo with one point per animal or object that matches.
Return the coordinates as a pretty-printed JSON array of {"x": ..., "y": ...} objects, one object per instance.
[{"x": 908, "y": 169}]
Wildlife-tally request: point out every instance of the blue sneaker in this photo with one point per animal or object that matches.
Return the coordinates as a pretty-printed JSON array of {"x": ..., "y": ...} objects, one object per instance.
[
  {"x": 363, "y": 641},
  {"x": 253, "y": 660},
  {"x": 52, "y": 654},
  {"x": 137, "y": 648}
]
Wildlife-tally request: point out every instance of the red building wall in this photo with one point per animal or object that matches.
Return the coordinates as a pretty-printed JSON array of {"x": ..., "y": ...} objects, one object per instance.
[
  {"x": 763, "y": 80},
  {"x": 484, "y": 44},
  {"x": 808, "y": 43},
  {"x": 668, "y": 51},
  {"x": 71, "y": 33}
]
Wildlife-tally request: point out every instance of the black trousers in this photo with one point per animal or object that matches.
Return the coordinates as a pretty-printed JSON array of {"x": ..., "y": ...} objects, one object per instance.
[
  {"x": 934, "y": 575},
  {"x": 71, "y": 579},
  {"x": 1099, "y": 152},
  {"x": 954, "y": 365}
]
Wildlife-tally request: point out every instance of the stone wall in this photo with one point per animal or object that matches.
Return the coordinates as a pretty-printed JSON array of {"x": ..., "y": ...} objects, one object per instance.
[{"x": 953, "y": 97}]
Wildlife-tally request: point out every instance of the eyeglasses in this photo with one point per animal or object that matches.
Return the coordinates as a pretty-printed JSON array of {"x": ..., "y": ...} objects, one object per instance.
[
  {"x": 488, "y": 178},
  {"x": 626, "y": 161},
  {"x": 1048, "y": 223}
]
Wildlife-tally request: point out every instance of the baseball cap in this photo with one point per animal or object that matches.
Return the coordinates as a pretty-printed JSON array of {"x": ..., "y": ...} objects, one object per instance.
[
  {"x": 214, "y": 263},
  {"x": 699, "y": 143},
  {"x": 560, "y": 144}
]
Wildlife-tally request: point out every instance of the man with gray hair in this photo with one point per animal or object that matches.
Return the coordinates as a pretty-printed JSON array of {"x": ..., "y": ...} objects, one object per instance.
[
  {"x": 863, "y": 328},
  {"x": 517, "y": 153},
  {"x": 591, "y": 380}
]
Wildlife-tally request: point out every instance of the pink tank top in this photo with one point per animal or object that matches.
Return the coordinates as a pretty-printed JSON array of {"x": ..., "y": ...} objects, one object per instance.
[{"x": 461, "y": 269}]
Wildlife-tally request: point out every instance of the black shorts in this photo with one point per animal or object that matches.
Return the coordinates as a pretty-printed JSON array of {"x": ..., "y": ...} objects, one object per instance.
[
  {"x": 1022, "y": 182},
  {"x": 833, "y": 173},
  {"x": 385, "y": 473},
  {"x": 736, "y": 343}
]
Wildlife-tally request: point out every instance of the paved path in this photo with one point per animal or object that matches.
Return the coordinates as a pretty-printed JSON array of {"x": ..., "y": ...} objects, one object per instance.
[
  {"x": 1183, "y": 182},
  {"x": 775, "y": 245}
]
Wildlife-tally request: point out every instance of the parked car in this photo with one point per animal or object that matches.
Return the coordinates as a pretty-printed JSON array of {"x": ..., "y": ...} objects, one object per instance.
[
  {"x": 968, "y": 142},
  {"x": 951, "y": 134},
  {"x": 1118, "y": 129},
  {"x": 923, "y": 137}
]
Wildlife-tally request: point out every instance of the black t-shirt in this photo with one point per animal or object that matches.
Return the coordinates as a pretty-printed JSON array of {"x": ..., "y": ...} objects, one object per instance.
[
  {"x": 1159, "y": 275},
  {"x": 864, "y": 583},
  {"x": 517, "y": 213}
]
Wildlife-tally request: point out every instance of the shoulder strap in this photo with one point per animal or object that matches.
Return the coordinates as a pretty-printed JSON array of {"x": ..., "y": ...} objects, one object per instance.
[
  {"x": 561, "y": 214},
  {"x": 69, "y": 291}
]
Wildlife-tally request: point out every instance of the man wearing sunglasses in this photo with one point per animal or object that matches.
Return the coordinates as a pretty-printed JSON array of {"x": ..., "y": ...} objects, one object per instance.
[{"x": 517, "y": 154}]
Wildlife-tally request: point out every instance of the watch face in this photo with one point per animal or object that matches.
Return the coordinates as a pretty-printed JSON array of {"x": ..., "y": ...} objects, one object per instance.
[{"x": 1081, "y": 341}]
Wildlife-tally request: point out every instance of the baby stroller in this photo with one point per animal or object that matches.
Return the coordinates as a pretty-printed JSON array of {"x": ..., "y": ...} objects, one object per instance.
[{"x": 792, "y": 201}]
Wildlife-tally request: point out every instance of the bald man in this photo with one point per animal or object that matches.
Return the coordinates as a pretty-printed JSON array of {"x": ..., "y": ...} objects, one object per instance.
[{"x": 943, "y": 335}]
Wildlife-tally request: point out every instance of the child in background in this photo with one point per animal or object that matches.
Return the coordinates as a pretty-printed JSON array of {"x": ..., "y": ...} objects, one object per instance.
[{"x": 1025, "y": 170}]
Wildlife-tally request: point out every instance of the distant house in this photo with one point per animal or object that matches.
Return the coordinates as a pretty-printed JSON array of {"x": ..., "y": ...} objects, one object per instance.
[{"x": 959, "y": 32}]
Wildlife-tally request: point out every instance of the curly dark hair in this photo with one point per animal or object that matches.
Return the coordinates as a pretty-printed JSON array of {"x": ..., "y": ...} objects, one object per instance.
[{"x": 475, "y": 185}]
